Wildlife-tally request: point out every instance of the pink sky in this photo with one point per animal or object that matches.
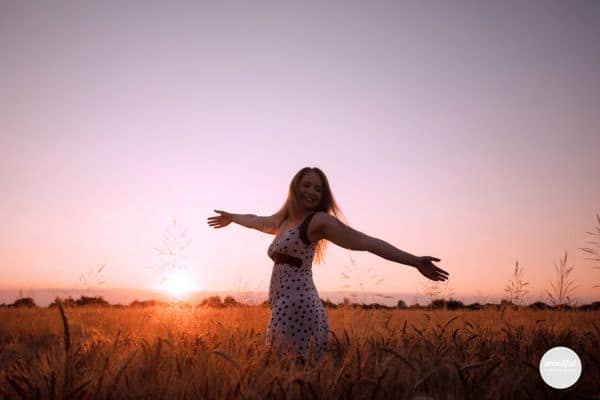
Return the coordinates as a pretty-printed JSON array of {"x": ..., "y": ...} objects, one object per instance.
[{"x": 468, "y": 133}]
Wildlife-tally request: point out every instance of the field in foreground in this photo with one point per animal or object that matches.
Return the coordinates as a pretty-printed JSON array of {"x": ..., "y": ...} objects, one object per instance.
[{"x": 157, "y": 353}]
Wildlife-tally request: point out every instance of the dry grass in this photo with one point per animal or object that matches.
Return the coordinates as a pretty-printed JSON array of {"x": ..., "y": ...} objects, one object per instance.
[
  {"x": 515, "y": 289},
  {"x": 563, "y": 286},
  {"x": 219, "y": 353}
]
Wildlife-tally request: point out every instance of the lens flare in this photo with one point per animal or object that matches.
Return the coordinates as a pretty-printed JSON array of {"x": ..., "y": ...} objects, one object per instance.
[{"x": 179, "y": 284}]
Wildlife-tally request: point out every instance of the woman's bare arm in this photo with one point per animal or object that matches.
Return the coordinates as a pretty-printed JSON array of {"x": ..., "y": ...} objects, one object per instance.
[
  {"x": 266, "y": 224},
  {"x": 330, "y": 228}
]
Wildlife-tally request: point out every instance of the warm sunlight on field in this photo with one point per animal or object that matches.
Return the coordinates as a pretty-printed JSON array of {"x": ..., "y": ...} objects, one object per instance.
[{"x": 204, "y": 352}]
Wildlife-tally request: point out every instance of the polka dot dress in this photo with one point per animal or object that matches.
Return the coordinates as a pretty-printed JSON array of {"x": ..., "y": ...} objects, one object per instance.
[{"x": 297, "y": 314}]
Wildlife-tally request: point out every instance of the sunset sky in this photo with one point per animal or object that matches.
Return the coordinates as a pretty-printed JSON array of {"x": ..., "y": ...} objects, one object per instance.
[{"x": 470, "y": 132}]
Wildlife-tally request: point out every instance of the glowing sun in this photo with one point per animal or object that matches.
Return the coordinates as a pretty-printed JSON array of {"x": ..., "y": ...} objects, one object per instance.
[{"x": 180, "y": 283}]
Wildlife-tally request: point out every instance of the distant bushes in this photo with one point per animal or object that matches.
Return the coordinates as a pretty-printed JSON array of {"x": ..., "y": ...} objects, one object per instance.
[
  {"x": 230, "y": 301},
  {"x": 438, "y": 304},
  {"x": 92, "y": 301},
  {"x": 328, "y": 304},
  {"x": 595, "y": 306},
  {"x": 348, "y": 303},
  {"x": 538, "y": 305},
  {"x": 443, "y": 304},
  {"x": 97, "y": 301},
  {"x": 26, "y": 302},
  {"x": 147, "y": 303},
  {"x": 216, "y": 302},
  {"x": 454, "y": 305}
]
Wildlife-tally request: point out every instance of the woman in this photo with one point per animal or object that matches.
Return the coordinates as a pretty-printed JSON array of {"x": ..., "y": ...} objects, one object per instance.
[{"x": 309, "y": 218}]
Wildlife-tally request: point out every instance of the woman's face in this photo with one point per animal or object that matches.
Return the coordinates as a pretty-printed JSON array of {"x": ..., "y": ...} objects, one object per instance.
[{"x": 310, "y": 191}]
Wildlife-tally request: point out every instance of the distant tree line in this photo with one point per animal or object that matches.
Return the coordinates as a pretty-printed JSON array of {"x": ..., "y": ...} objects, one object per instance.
[{"x": 230, "y": 301}]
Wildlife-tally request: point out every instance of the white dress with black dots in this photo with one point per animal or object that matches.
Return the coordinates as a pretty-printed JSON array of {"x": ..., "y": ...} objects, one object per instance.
[{"x": 297, "y": 314}]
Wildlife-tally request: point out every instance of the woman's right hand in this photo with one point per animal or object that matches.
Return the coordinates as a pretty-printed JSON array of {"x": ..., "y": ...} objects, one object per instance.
[
  {"x": 429, "y": 270},
  {"x": 220, "y": 221}
]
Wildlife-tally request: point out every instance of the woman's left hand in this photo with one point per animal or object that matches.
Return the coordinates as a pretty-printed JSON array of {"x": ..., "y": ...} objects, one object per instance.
[{"x": 429, "y": 270}]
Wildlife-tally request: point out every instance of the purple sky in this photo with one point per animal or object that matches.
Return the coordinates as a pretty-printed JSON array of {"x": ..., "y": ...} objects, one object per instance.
[{"x": 467, "y": 131}]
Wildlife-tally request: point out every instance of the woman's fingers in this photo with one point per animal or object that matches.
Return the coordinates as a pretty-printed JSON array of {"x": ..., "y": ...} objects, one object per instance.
[
  {"x": 432, "y": 271},
  {"x": 442, "y": 273},
  {"x": 219, "y": 221}
]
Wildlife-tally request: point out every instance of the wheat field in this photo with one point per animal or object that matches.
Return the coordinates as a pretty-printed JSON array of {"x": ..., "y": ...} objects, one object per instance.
[{"x": 185, "y": 353}]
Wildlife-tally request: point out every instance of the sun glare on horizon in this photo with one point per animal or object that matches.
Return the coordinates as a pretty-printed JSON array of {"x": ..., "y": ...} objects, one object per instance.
[{"x": 179, "y": 284}]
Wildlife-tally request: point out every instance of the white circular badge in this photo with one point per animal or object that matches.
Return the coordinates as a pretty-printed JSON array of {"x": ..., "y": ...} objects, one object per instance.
[{"x": 560, "y": 367}]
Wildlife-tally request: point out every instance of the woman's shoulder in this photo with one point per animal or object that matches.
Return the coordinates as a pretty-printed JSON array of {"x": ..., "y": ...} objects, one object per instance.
[
  {"x": 315, "y": 225},
  {"x": 321, "y": 220},
  {"x": 323, "y": 217}
]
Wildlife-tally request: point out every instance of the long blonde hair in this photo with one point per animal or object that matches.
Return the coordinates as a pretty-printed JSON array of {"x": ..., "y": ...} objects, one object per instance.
[{"x": 327, "y": 204}]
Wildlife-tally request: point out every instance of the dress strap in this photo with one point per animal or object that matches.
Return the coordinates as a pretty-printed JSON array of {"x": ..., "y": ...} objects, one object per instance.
[{"x": 304, "y": 229}]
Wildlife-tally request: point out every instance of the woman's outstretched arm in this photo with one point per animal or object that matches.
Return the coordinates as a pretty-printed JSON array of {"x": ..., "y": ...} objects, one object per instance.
[
  {"x": 330, "y": 228},
  {"x": 263, "y": 224}
]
